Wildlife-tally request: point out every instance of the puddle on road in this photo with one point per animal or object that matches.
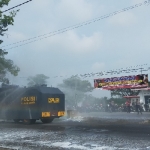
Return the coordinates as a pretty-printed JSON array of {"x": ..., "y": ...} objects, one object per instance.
[
  {"x": 69, "y": 145},
  {"x": 77, "y": 139},
  {"x": 76, "y": 118},
  {"x": 68, "y": 138}
]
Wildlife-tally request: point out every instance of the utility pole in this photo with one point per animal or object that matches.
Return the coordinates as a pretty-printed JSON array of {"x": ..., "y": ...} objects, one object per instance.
[
  {"x": 141, "y": 70},
  {"x": 76, "y": 91}
]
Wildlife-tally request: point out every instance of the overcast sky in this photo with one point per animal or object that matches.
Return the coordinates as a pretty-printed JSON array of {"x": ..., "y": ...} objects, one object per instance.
[{"x": 116, "y": 42}]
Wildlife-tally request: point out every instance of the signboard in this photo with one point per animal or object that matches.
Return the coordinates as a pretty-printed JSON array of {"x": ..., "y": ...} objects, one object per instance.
[
  {"x": 132, "y": 81},
  {"x": 53, "y": 100},
  {"x": 28, "y": 100}
]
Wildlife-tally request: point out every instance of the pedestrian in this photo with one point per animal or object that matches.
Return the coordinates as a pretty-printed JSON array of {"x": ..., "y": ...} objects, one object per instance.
[
  {"x": 112, "y": 106},
  {"x": 128, "y": 103},
  {"x": 146, "y": 80},
  {"x": 138, "y": 106},
  {"x": 133, "y": 105},
  {"x": 109, "y": 107}
]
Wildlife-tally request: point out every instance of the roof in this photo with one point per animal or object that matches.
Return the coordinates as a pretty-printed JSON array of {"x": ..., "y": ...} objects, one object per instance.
[
  {"x": 48, "y": 90},
  {"x": 141, "y": 89},
  {"x": 134, "y": 96}
]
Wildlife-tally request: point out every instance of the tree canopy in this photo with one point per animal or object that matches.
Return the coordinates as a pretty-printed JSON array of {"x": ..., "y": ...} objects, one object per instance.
[
  {"x": 77, "y": 84},
  {"x": 6, "y": 65},
  {"x": 124, "y": 92},
  {"x": 75, "y": 89},
  {"x": 38, "y": 79}
]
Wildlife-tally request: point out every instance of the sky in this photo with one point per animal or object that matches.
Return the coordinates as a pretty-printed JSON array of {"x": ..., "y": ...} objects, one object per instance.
[{"x": 118, "y": 41}]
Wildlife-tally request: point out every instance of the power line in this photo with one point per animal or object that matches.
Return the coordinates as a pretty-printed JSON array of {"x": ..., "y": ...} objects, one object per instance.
[
  {"x": 131, "y": 69},
  {"x": 47, "y": 35},
  {"x": 68, "y": 28},
  {"x": 16, "y": 6}
]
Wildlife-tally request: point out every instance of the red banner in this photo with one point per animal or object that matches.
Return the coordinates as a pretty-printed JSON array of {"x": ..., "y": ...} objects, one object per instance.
[{"x": 132, "y": 81}]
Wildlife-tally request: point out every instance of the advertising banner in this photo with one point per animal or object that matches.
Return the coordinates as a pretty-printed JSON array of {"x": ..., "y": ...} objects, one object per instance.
[{"x": 132, "y": 81}]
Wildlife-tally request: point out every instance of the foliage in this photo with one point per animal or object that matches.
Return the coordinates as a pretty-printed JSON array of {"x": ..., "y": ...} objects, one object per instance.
[
  {"x": 75, "y": 89},
  {"x": 4, "y": 2},
  {"x": 124, "y": 92},
  {"x": 118, "y": 101},
  {"x": 75, "y": 83},
  {"x": 6, "y": 65},
  {"x": 104, "y": 100},
  {"x": 39, "y": 79}
]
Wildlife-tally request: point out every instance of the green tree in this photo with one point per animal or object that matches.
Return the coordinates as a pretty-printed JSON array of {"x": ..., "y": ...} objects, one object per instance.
[
  {"x": 6, "y": 65},
  {"x": 118, "y": 101},
  {"x": 75, "y": 89},
  {"x": 124, "y": 92},
  {"x": 39, "y": 79},
  {"x": 75, "y": 83}
]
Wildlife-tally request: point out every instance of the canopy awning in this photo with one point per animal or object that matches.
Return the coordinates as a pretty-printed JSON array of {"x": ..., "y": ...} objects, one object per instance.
[
  {"x": 134, "y": 96},
  {"x": 141, "y": 89}
]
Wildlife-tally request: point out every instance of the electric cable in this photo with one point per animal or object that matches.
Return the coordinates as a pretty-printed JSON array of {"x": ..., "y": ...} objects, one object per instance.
[
  {"x": 47, "y": 35},
  {"x": 16, "y": 6},
  {"x": 137, "y": 68}
]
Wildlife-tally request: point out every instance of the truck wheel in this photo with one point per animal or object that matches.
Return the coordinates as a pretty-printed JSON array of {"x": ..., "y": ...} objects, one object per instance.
[
  {"x": 47, "y": 120},
  {"x": 16, "y": 120},
  {"x": 29, "y": 121}
]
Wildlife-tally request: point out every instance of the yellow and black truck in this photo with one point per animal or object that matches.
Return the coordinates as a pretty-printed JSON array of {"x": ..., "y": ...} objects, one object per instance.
[{"x": 31, "y": 104}]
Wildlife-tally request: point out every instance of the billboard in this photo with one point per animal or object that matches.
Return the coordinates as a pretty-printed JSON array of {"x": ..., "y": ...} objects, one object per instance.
[{"x": 132, "y": 81}]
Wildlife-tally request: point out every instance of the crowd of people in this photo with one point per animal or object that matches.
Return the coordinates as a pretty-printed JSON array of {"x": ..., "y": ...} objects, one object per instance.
[
  {"x": 135, "y": 104},
  {"x": 128, "y": 106}
]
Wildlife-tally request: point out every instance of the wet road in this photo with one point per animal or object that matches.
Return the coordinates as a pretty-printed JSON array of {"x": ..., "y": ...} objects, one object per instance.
[{"x": 93, "y": 131}]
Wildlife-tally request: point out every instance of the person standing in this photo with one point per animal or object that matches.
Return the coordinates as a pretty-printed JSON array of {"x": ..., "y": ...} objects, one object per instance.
[
  {"x": 128, "y": 103},
  {"x": 146, "y": 80},
  {"x": 138, "y": 106},
  {"x": 133, "y": 106},
  {"x": 112, "y": 106}
]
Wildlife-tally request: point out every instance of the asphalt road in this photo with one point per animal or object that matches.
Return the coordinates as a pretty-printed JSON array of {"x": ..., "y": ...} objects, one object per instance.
[{"x": 86, "y": 131}]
